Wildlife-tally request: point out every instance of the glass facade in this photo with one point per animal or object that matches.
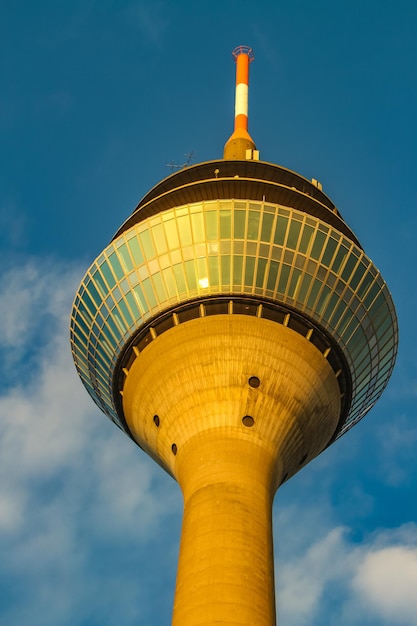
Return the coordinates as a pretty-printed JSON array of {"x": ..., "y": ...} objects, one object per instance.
[{"x": 232, "y": 247}]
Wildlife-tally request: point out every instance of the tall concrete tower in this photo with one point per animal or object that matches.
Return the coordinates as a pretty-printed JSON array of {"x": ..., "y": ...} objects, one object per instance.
[{"x": 233, "y": 328}]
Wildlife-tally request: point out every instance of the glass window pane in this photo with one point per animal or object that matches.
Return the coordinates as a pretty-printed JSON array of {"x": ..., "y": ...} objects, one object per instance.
[
  {"x": 211, "y": 225},
  {"x": 159, "y": 239},
  {"x": 239, "y": 224},
  {"x": 283, "y": 278},
  {"x": 125, "y": 312},
  {"x": 180, "y": 278},
  {"x": 336, "y": 305},
  {"x": 324, "y": 297},
  {"x": 329, "y": 251},
  {"x": 159, "y": 287},
  {"x": 272, "y": 275},
  {"x": 117, "y": 268},
  {"x": 371, "y": 295},
  {"x": 293, "y": 234},
  {"x": 197, "y": 223},
  {"x": 294, "y": 283},
  {"x": 225, "y": 224},
  {"x": 108, "y": 276},
  {"x": 149, "y": 292},
  {"x": 267, "y": 225},
  {"x": 280, "y": 230},
  {"x": 253, "y": 224},
  {"x": 184, "y": 229},
  {"x": 348, "y": 269},
  {"x": 191, "y": 277},
  {"x": 145, "y": 239},
  {"x": 94, "y": 293},
  {"x": 314, "y": 293},
  {"x": 169, "y": 282},
  {"x": 225, "y": 266},
  {"x": 172, "y": 234},
  {"x": 339, "y": 258},
  {"x": 260, "y": 272},
  {"x": 237, "y": 270},
  {"x": 304, "y": 287},
  {"x": 133, "y": 305},
  {"x": 249, "y": 270},
  {"x": 357, "y": 277},
  {"x": 363, "y": 287},
  {"x": 306, "y": 238},
  {"x": 101, "y": 286},
  {"x": 213, "y": 263},
  {"x": 318, "y": 244},
  {"x": 125, "y": 258}
]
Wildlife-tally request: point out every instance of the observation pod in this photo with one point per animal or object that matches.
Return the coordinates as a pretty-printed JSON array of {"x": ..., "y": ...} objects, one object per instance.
[{"x": 233, "y": 328}]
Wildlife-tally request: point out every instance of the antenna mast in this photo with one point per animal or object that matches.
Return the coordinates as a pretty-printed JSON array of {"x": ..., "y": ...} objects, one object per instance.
[{"x": 241, "y": 145}]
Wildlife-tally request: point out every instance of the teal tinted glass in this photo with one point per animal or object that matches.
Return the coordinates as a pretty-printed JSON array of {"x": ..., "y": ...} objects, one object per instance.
[
  {"x": 329, "y": 251},
  {"x": 306, "y": 238},
  {"x": 125, "y": 258},
  {"x": 318, "y": 245},
  {"x": 293, "y": 234},
  {"x": 117, "y": 268},
  {"x": 237, "y": 270},
  {"x": 108, "y": 276},
  {"x": 260, "y": 272},
  {"x": 267, "y": 225},
  {"x": 253, "y": 224},
  {"x": 249, "y": 270},
  {"x": 339, "y": 258},
  {"x": 280, "y": 230},
  {"x": 272, "y": 275},
  {"x": 134, "y": 247},
  {"x": 283, "y": 278}
]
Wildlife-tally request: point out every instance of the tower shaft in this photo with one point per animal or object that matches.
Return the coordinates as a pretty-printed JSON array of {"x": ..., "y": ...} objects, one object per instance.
[{"x": 226, "y": 569}]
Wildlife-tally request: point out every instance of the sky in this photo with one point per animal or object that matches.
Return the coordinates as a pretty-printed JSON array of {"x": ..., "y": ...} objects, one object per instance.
[{"x": 96, "y": 99}]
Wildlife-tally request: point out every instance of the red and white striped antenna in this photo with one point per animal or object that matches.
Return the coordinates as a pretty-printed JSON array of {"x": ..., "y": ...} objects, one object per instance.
[{"x": 241, "y": 145}]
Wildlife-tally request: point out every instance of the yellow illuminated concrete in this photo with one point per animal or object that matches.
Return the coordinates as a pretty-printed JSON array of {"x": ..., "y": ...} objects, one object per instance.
[
  {"x": 194, "y": 377},
  {"x": 237, "y": 144}
]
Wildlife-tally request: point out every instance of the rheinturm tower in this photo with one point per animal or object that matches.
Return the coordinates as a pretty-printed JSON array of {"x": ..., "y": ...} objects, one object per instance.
[{"x": 233, "y": 328}]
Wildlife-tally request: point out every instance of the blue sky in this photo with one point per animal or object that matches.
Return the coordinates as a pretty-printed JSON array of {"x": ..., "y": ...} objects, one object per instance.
[{"x": 96, "y": 98}]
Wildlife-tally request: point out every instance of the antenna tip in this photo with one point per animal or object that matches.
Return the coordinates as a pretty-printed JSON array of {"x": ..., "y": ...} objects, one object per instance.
[{"x": 243, "y": 50}]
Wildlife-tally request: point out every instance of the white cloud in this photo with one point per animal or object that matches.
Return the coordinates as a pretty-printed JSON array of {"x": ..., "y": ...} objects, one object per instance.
[
  {"x": 304, "y": 580},
  {"x": 325, "y": 577},
  {"x": 73, "y": 488},
  {"x": 386, "y": 578}
]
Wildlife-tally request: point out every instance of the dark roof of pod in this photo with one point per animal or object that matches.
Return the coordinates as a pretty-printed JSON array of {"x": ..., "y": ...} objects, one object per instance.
[{"x": 245, "y": 180}]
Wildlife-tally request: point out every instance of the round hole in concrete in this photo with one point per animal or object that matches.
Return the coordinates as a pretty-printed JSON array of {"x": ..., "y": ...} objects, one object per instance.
[{"x": 248, "y": 421}]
